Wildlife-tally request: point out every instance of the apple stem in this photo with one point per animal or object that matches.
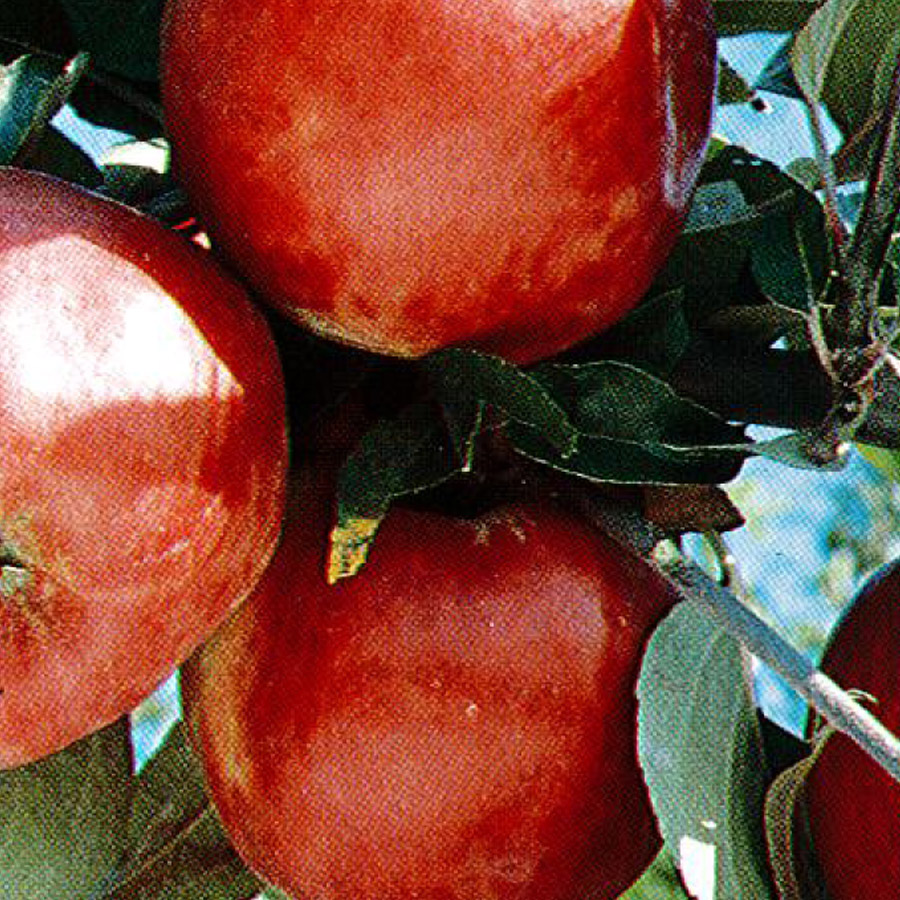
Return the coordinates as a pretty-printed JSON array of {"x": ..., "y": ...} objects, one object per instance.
[{"x": 760, "y": 639}]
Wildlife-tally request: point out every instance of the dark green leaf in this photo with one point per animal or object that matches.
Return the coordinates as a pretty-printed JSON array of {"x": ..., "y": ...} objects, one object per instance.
[
  {"x": 714, "y": 245},
  {"x": 400, "y": 456},
  {"x": 766, "y": 188},
  {"x": 477, "y": 378},
  {"x": 464, "y": 419},
  {"x": 716, "y": 205},
  {"x": 654, "y": 336},
  {"x": 57, "y": 155},
  {"x": 633, "y": 428},
  {"x": 660, "y": 882},
  {"x": 26, "y": 24},
  {"x": 729, "y": 234},
  {"x": 135, "y": 172},
  {"x": 732, "y": 87},
  {"x": 778, "y": 77},
  {"x": 782, "y": 749},
  {"x": 620, "y": 401},
  {"x": 701, "y": 750},
  {"x": 121, "y": 36},
  {"x": 785, "y": 269},
  {"x": 33, "y": 89},
  {"x": 621, "y": 462},
  {"x": 743, "y": 16},
  {"x": 792, "y": 859},
  {"x": 817, "y": 44},
  {"x": 63, "y": 819},
  {"x": 131, "y": 107},
  {"x": 177, "y": 848}
]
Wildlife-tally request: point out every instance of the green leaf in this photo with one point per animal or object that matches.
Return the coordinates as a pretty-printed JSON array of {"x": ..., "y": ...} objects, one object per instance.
[
  {"x": 732, "y": 86},
  {"x": 788, "y": 837},
  {"x": 33, "y": 89},
  {"x": 886, "y": 461},
  {"x": 57, "y": 155},
  {"x": 654, "y": 336},
  {"x": 858, "y": 35},
  {"x": 661, "y": 881},
  {"x": 33, "y": 23},
  {"x": 735, "y": 17},
  {"x": 816, "y": 45},
  {"x": 134, "y": 172},
  {"x": 169, "y": 791},
  {"x": 788, "y": 264},
  {"x": 177, "y": 847},
  {"x": 122, "y": 37},
  {"x": 633, "y": 428},
  {"x": 845, "y": 60},
  {"x": 719, "y": 204},
  {"x": 477, "y": 378},
  {"x": 620, "y": 401},
  {"x": 62, "y": 819},
  {"x": 701, "y": 751},
  {"x": 798, "y": 449},
  {"x": 397, "y": 457}
]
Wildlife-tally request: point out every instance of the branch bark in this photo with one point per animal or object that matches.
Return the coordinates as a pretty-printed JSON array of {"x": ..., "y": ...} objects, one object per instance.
[
  {"x": 781, "y": 388},
  {"x": 820, "y": 691}
]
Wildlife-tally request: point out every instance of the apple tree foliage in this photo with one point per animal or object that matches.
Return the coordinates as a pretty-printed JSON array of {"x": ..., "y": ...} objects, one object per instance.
[{"x": 776, "y": 308}]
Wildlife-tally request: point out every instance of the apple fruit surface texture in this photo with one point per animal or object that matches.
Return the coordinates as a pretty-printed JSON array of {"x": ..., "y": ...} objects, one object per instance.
[
  {"x": 408, "y": 175},
  {"x": 143, "y": 447},
  {"x": 852, "y": 803},
  {"x": 455, "y": 722}
]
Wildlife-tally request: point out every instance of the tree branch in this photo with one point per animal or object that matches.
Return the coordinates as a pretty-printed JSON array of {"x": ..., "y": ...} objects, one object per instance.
[
  {"x": 781, "y": 388},
  {"x": 756, "y": 636}
]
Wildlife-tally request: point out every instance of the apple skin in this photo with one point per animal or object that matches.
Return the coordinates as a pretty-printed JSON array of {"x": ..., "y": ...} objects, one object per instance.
[
  {"x": 456, "y": 722},
  {"x": 852, "y": 803},
  {"x": 143, "y": 439},
  {"x": 408, "y": 175}
]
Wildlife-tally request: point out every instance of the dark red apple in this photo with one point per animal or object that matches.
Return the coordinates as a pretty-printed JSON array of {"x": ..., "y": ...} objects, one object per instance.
[
  {"x": 406, "y": 175},
  {"x": 142, "y": 457},
  {"x": 852, "y": 803},
  {"x": 456, "y": 722}
]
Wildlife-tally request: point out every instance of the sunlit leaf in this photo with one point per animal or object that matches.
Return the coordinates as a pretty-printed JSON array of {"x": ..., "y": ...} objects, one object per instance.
[
  {"x": 33, "y": 89},
  {"x": 660, "y": 882},
  {"x": 701, "y": 749},
  {"x": 63, "y": 819}
]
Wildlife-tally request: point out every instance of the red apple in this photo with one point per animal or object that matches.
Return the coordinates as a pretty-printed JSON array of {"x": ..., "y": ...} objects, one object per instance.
[
  {"x": 143, "y": 448},
  {"x": 853, "y": 804},
  {"x": 456, "y": 722},
  {"x": 407, "y": 175}
]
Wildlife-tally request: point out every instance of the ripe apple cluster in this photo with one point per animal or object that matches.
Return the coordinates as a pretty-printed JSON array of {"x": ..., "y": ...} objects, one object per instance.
[{"x": 457, "y": 722}]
